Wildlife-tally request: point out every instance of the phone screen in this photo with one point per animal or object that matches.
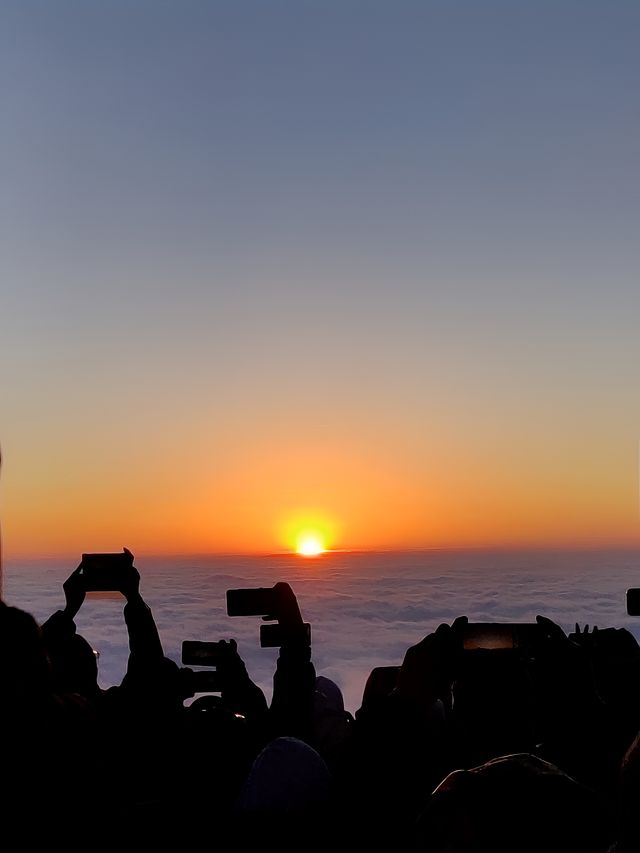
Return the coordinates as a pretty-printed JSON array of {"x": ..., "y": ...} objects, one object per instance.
[
  {"x": 489, "y": 635},
  {"x": 501, "y": 635}
]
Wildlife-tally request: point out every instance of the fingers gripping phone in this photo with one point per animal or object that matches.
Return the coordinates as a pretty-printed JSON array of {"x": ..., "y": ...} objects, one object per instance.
[{"x": 273, "y": 603}]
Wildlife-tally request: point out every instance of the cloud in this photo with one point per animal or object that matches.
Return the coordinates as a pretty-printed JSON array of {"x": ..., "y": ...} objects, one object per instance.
[{"x": 365, "y": 610}]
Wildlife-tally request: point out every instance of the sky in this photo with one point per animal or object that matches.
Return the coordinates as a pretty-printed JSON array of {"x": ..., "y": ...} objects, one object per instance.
[{"x": 367, "y": 268}]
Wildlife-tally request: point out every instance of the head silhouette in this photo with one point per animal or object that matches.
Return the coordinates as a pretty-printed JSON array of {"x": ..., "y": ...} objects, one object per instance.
[
  {"x": 74, "y": 666},
  {"x": 24, "y": 665},
  {"x": 515, "y": 802}
]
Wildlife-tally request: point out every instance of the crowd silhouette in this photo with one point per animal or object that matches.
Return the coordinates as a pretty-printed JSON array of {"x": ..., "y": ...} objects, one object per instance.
[{"x": 529, "y": 747}]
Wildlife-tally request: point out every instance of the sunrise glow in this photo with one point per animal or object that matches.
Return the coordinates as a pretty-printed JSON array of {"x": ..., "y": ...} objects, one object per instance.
[
  {"x": 310, "y": 545},
  {"x": 309, "y": 533}
]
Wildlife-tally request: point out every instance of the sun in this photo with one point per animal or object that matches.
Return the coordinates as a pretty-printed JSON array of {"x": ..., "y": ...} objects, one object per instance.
[
  {"x": 308, "y": 532},
  {"x": 309, "y": 545}
]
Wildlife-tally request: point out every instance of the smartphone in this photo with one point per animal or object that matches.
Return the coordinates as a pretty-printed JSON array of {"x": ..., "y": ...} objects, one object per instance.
[
  {"x": 257, "y": 601},
  {"x": 633, "y": 601},
  {"x": 200, "y": 653},
  {"x": 105, "y": 572},
  {"x": 500, "y": 635},
  {"x": 273, "y": 636}
]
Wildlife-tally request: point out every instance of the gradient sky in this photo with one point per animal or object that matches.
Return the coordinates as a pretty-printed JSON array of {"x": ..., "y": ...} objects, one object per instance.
[{"x": 368, "y": 264}]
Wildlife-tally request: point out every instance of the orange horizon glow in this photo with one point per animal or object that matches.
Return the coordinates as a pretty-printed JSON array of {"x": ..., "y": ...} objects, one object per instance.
[{"x": 265, "y": 497}]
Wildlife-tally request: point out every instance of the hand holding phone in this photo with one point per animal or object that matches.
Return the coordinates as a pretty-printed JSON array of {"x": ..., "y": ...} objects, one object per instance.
[
  {"x": 277, "y": 602},
  {"x": 109, "y": 572},
  {"x": 272, "y": 603}
]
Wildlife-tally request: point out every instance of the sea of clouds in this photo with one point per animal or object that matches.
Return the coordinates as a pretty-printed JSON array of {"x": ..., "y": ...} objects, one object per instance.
[{"x": 365, "y": 608}]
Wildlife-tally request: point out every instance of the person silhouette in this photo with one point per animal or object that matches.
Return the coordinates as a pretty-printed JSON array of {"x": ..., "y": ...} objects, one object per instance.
[{"x": 45, "y": 762}]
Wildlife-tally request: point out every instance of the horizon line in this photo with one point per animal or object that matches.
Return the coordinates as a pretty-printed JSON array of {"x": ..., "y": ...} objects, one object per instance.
[{"x": 548, "y": 547}]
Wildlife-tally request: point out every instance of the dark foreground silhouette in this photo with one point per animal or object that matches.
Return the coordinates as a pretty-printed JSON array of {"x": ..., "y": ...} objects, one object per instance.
[{"x": 472, "y": 743}]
